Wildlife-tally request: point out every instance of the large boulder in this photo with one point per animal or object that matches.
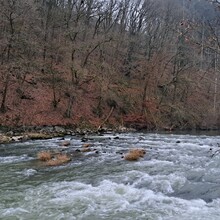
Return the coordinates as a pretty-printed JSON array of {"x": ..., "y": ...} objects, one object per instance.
[{"x": 5, "y": 139}]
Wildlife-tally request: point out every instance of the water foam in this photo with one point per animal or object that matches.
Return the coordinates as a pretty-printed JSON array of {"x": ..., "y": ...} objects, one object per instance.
[
  {"x": 28, "y": 172},
  {"x": 14, "y": 159},
  {"x": 112, "y": 200},
  {"x": 107, "y": 187}
]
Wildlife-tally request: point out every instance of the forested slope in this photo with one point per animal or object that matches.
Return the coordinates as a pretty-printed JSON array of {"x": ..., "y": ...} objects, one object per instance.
[{"x": 148, "y": 64}]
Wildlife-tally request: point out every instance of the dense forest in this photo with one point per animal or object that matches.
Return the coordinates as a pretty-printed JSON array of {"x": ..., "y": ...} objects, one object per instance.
[{"x": 151, "y": 64}]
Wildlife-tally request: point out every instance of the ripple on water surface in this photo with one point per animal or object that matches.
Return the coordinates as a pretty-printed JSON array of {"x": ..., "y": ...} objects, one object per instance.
[
  {"x": 177, "y": 180},
  {"x": 14, "y": 159},
  {"x": 107, "y": 200}
]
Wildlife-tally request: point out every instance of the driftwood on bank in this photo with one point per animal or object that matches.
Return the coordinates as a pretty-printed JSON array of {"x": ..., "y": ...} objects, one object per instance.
[{"x": 106, "y": 119}]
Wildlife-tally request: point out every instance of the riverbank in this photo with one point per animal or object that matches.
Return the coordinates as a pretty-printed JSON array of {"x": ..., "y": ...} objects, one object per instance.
[
  {"x": 25, "y": 133},
  {"x": 15, "y": 134}
]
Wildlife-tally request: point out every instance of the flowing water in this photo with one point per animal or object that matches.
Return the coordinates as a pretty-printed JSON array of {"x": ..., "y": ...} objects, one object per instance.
[{"x": 178, "y": 179}]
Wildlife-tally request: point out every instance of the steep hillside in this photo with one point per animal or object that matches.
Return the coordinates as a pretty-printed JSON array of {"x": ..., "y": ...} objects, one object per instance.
[{"x": 144, "y": 64}]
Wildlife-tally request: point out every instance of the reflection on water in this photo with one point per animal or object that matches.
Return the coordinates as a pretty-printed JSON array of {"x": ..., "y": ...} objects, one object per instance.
[{"x": 177, "y": 179}]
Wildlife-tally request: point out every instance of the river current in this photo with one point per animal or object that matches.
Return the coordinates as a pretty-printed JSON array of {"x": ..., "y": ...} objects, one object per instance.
[{"x": 178, "y": 179}]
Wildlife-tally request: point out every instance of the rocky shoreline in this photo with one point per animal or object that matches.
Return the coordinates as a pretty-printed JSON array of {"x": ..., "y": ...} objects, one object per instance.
[
  {"x": 9, "y": 135},
  {"x": 25, "y": 133}
]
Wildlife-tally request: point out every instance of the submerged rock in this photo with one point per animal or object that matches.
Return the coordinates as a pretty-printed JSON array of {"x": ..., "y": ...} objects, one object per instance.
[
  {"x": 86, "y": 145},
  {"x": 65, "y": 143},
  {"x": 84, "y": 139},
  {"x": 86, "y": 149}
]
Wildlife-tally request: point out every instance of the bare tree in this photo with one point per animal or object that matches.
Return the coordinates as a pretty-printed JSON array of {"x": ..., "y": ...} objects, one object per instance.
[{"x": 16, "y": 45}]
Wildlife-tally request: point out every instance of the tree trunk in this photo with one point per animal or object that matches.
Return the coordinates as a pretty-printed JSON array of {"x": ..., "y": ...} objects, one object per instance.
[{"x": 4, "y": 95}]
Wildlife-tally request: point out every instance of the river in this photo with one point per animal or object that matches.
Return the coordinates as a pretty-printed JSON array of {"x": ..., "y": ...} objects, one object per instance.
[{"x": 178, "y": 179}]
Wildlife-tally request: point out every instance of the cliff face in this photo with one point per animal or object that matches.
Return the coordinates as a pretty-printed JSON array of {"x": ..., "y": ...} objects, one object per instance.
[{"x": 91, "y": 63}]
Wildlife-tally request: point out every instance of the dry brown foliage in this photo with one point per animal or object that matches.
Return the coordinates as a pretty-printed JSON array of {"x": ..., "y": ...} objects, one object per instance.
[
  {"x": 58, "y": 160},
  {"x": 140, "y": 152},
  {"x": 134, "y": 154},
  {"x": 44, "y": 155}
]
